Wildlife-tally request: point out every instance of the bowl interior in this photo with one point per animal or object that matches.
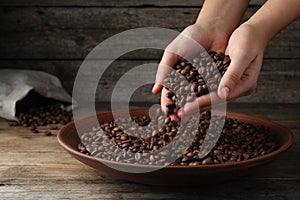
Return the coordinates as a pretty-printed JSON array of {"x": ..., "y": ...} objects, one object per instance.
[{"x": 69, "y": 139}]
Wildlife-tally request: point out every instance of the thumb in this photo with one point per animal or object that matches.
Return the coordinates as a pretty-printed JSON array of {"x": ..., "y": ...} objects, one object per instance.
[{"x": 232, "y": 76}]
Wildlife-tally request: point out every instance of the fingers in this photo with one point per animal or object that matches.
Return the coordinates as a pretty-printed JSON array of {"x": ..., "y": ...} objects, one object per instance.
[
  {"x": 182, "y": 46},
  {"x": 201, "y": 103},
  {"x": 168, "y": 60},
  {"x": 164, "y": 100},
  {"x": 157, "y": 88},
  {"x": 234, "y": 73},
  {"x": 248, "y": 80},
  {"x": 246, "y": 50},
  {"x": 185, "y": 46},
  {"x": 174, "y": 117}
]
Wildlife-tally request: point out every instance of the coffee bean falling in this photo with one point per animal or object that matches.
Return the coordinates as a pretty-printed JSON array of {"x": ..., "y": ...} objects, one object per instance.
[
  {"x": 238, "y": 141},
  {"x": 201, "y": 77}
]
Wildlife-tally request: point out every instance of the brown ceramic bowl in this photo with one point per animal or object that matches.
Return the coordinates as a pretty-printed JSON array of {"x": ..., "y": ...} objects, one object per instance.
[{"x": 177, "y": 175}]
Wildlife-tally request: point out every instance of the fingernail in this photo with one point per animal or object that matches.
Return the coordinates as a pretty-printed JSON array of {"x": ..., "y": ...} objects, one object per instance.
[
  {"x": 180, "y": 111},
  {"x": 154, "y": 88},
  {"x": 225, "y": 92}
]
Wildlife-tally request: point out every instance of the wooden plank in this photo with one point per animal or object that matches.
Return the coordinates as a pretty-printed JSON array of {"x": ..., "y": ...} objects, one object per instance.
[
  {"x": 41, "y": 18},
  {"x": 282, "y": 113},
  {"x": 275, "y": 87},
  {"x": 76, "y": 44},
  {"x": 278, "y": 83},
  {"x": 45, "y": 18},
  {"x": 47, "y": 33},
  {"x": 59, "y": 44},
  {"x": 67, "y": 69},
  {"x": 100, "y": 189},
  {"x": 112, "y": 3}
]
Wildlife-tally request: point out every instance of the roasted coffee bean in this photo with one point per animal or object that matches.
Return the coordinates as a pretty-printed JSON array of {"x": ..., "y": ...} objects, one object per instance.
[
  {"x": 32, "y": 128},
  {"x": 170, "y": 95},
  {"x": 53, "y": 127},
  {"x": 82, "y": 149},
  {"x": 186, "y": 158},
  {"x": 47, "y": 133},
  {"x": 238, "y": 141},
  {"x": 201, "y": 75},
  {"x": 170, "y": 107},
  {"x": 207, "y": 161},
  {"x": 47, "y": 113},
  {"x": 35, "y": 131}
]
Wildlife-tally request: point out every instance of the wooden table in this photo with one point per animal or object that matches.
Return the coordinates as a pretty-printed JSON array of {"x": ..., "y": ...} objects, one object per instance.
[{"x": 33, "y": 166}]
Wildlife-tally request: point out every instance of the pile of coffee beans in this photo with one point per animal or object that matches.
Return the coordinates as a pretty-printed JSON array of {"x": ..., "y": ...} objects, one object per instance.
[
  {"x": 121, "y": 142},
  {"x": 201, "y": 76},
  {"x": 49, "y": 113}
]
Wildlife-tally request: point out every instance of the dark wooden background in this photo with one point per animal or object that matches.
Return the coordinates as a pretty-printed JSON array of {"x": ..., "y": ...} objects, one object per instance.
[{"x": 55, "y": 36}]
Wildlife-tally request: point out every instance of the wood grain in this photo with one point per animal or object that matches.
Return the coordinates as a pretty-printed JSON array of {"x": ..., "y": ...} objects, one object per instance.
[
  {"x": 71, "y": 33},
  {"x": 33, "y": 166},
  {"x": 68, "y": 68},
  {"x": 112, "y": 3},
  {"x": 76, "y": 44},
  {"x": 45, "y": 18},
  {"x": 55, "y": 36},
  {"x": 278, "y": 82}
]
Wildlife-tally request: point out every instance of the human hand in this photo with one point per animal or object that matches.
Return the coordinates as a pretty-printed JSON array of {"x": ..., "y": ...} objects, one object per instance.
[
  {"x": 246, "y": 48},
  {"x": 184, "y": 46}
]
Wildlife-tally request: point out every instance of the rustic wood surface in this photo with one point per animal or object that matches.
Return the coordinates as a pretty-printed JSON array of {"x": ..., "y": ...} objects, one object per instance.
[
  {"x": 111, "y": 3},
  {"x": 55, "y": 36},
  {"x": 33, "y": 166},
  {"x": 278, "y": 81},
  {"x": 71, "y": 33}
]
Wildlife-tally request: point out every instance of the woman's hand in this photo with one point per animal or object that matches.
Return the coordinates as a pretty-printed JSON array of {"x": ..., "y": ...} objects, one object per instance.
[
  {"x": 246, "y": 48},
  {"x": 211, "y": 31},
  {"x": 186, "y": 45}
]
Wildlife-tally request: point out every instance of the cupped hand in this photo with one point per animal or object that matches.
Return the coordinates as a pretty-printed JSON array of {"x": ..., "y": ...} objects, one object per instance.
[
  {"x": 246, "y": 48},
  {"x": 184, "y": 46}
]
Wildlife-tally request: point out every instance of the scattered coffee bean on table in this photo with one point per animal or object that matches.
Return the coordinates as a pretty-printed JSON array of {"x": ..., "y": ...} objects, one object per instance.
[
  {"x": 238, "y": 141},
  {"x": 201, "y": 77},
  {"x": 47, "y": 133}
]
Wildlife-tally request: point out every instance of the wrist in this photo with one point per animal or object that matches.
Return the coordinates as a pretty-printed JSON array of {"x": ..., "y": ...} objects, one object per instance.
[
  {"x": 273, "y": 16},
  {"x": 223, "y": 15},
  {"x": 215, "y": 26},
  {"x": 259, "y": 30},
  {"x": 210, "y": 36}
]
